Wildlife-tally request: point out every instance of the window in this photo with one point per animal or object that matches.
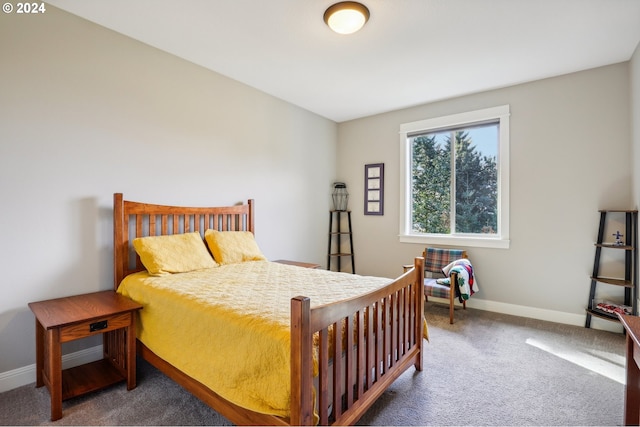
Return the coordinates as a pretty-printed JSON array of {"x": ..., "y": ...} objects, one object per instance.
[{"x": 455, "y": 179}]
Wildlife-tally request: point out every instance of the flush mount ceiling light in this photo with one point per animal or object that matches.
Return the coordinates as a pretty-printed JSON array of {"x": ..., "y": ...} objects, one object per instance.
[{"x": 346, "y": 17}]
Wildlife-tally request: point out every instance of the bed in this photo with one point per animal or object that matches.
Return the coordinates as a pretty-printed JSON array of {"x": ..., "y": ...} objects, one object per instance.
[{"x": 330, "y": 378}]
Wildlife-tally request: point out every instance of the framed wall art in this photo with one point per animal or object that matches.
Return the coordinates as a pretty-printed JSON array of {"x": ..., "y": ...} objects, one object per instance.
[{"x": 374, "y": 189}]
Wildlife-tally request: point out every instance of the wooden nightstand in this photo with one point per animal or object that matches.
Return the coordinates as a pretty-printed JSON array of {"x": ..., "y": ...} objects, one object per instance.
[
  {"x": 71, "y": 318},
  {"x": 299, "y": 264}
]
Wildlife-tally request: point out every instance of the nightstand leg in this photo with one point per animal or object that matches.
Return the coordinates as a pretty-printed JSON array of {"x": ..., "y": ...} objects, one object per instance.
[
  {"x": 131, "y": 353},
  {"x": 39, "y": 354},
  {"x": 54, "y": 363}
]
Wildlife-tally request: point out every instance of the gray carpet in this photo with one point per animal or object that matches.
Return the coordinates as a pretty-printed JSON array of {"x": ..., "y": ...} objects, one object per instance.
[{"x": 486, "y": 369}]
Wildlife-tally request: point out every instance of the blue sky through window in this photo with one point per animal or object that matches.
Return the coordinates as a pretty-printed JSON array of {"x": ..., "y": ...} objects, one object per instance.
[{"x": 484, "y": 138}]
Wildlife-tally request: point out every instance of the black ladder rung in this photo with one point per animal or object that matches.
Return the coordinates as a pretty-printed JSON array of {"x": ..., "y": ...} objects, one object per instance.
[
  {"x": 602, "y": 314},
  {"x": 613, "y": 281},
  {"x": 613, "y": 246}
]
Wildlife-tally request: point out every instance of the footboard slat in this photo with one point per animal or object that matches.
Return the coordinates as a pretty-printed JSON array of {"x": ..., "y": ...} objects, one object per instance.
[
  {"x": 323, "y": 374},
  {"x": 349, "y": 374},
  {"x": 406, "y": 341},
  {"x": 394, "y": 330},
  {"x": 387, "y": 320},
  {"x": 380, "y": 339},
  {"x": 338, "y": 386},
  {"x": 371, "y": 338},
  {"x": 375, "y": 337},
  {"x": 362, "y": 355},
  {"x": 412, "y": 316},
  {"x": 400, "y": 325}
]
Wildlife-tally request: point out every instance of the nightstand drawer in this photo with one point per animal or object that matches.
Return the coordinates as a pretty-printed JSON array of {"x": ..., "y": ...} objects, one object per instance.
[{"x": 92, "y": 327}]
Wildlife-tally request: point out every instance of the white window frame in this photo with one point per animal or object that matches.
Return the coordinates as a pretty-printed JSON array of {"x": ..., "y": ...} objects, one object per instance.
[{"x": 500, "y": 240}]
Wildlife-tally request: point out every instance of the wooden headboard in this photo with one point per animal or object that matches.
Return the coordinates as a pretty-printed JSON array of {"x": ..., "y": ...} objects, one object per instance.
[{"x": 135, "y": 219}]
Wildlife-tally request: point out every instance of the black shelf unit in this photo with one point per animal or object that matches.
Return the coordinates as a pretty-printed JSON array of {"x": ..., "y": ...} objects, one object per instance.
[
  {"x": 337, "y": 236},
  {"x": 630, "y": 280}
]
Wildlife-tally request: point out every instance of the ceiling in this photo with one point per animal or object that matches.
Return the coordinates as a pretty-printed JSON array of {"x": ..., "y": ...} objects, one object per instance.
[{"x": 410, "y": 52}]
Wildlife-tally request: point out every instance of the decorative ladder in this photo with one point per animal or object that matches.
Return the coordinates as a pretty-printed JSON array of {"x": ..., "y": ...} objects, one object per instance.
[
  {"x": 335, "y": 241},
  {"x": 630, "y": 281}
]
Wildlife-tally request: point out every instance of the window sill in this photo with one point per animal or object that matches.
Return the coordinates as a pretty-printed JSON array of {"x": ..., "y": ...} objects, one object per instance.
[{"x": 464, "y": 241}]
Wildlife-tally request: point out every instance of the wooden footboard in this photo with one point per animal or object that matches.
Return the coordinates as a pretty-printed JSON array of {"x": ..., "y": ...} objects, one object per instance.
[
  {"x": 383, "y": 336},
  {"x": 383, "y": 329}
]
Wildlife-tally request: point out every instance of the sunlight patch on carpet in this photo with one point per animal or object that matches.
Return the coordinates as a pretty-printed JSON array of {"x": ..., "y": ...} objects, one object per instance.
[{"x": 607, "y": 364}]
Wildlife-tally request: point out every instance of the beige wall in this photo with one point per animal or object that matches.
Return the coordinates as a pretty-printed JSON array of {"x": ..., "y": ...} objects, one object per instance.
[
  {"x": 85, "y": 112},
  {"x": 569, "y": 157}
]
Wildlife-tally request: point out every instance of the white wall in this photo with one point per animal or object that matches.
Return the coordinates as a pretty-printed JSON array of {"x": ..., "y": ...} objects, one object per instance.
[
  {"x": 570, "y": 145},
  {"x": 86, "y": 112}
]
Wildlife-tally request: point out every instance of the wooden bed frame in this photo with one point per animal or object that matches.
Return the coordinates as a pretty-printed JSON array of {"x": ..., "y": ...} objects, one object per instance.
[{"x": 392, "y": 316}]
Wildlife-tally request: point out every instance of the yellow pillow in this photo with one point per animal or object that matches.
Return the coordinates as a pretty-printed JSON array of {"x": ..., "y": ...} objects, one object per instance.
[
  {"x": 176, "y": 253},
  {"x": 230, "y": 247}
]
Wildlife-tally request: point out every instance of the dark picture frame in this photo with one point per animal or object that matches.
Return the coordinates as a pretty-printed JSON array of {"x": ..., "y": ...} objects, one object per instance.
[{"x": 374, "y": 189}]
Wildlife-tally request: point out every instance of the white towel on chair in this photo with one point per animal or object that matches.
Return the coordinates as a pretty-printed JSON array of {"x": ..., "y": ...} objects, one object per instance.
[{"x": 467, "y": 283}]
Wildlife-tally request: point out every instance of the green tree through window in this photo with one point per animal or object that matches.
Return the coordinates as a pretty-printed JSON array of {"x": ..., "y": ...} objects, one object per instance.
[{"x": 459, "y": 196}]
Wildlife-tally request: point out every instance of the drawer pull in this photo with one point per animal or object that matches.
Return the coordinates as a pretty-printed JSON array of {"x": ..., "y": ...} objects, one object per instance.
[{"x": 98, "y": 326}]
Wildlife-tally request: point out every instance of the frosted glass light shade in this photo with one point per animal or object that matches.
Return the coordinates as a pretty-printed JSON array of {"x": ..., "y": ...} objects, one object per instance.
[{"x": 346, "y": 17}]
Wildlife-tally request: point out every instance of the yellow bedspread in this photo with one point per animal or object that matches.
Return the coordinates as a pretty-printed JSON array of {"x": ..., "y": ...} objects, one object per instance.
[{"x": 228, "y": 326}]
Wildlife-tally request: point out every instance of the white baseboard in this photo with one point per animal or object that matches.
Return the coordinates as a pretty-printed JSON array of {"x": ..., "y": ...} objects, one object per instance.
[
  {"x": 27, "y": 374},
  {"x": 538, "y": 313}
]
